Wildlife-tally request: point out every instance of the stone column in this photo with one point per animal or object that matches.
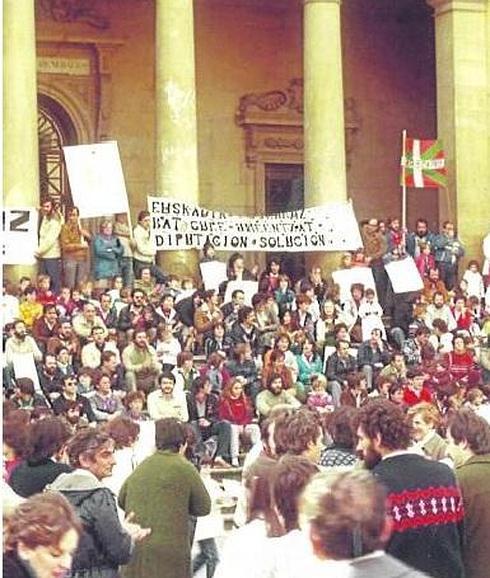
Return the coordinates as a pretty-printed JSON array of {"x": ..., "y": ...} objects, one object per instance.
[
  {"x": 324, "y": 161},
  {"x": 463, "y": 108},
  {"x": 176, "y": 120},
  {"x": 20, "y": 134}
]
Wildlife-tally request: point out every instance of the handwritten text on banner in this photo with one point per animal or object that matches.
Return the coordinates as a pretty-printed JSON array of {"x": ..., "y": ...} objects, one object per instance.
[{"x": 178, "y": 225}]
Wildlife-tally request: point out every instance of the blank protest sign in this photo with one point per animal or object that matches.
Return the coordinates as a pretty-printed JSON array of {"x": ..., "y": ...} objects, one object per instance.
[{"x": 96, "y": 179}]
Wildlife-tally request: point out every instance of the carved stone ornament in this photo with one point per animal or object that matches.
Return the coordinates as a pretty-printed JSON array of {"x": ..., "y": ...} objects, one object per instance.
[
  {"x": 273, "y": 124},
  {"x": 74, "y": 11}
]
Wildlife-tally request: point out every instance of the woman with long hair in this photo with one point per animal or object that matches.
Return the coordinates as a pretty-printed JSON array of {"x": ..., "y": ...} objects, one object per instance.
[{"x": 235, "y": 407}]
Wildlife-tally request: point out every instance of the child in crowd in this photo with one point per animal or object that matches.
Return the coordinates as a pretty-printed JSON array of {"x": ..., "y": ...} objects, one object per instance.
[
  {"x": 30, "y": 309},
  {"x": 318, "y": 397},
  {"x": 44, "y": 294},
  {"x": 425, "y": 261},
  {"x": 474, "y": 279}
]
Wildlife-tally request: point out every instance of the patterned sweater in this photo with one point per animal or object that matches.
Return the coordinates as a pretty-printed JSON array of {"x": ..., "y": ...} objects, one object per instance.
[{"x": 427, "y": 512}]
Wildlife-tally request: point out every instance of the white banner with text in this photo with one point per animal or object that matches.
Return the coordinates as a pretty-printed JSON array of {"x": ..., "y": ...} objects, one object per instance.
[{"x": 178, "y": 225}]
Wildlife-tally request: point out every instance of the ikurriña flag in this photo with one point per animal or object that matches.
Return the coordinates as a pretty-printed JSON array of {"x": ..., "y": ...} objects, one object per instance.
[{"x": 425, "y": 165}]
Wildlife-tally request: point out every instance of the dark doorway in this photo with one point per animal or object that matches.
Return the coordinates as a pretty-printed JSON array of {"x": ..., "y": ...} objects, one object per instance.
[{"x": 284, "y": 191}]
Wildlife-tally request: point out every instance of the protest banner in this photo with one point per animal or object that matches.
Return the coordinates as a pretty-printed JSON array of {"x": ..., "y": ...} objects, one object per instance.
[
  {"x": 178, "y": 225},
  {"x": 404, "y": 275},
  {"x": 19, "y": 228},
  {"x": 249, "y": 288},
  {"x": 96, "y": 179},
  {"x": 346, "y": 277},
  {"x": 213, "y": 273}
]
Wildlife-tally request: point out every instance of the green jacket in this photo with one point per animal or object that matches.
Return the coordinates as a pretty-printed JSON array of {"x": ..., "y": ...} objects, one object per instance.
[
  {"x": 474, "y": 479},
  {"x": 163, "y": 491}
]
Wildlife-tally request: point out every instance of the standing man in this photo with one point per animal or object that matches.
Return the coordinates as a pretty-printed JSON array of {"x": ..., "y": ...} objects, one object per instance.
[
  {"x": 49, "y": 251},
  {"x": 144, "y": 252},
  {"x": 163, "y": 491},
  {"x": 421, "y": 236},
  {"x": 449, "y": 250},
  {"x": 424, "y": 499},
  {"x": 106, "y": 543},
  {"x": 469, "y": 446}
]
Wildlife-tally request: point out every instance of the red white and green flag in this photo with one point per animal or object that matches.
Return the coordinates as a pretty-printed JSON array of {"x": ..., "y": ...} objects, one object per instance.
[{"x": 424, "y": 163}]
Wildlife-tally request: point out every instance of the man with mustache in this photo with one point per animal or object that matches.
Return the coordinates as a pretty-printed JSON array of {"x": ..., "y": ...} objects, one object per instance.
[{"x": 425, "y": 502}]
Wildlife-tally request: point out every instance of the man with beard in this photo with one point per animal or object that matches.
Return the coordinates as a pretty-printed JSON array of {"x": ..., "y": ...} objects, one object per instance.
[
  {"x": 19, "y": 343},
  {"x": 433, "y": 285},
  {"x": 425, "y": 502},
  {"x": 65, "y": 337},
  {"x": 50, "y": 378},
  {"x": 86, "y": 321},
  {"x": 421, "y": 236},
  {"x": 439, "y": 310},
  {"x": 141, "y": 364},
  {"x": 412, "y": 348},
  {"x": 275, "y": 395},
  {"x": 46, "y": 326},
  {"x": 165, "y": 402}
]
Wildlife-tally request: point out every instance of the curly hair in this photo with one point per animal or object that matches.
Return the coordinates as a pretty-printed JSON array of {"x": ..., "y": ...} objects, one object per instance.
[
  {"x": 300, "y": 429},
  {"x": 427, "y": 411},
  {"x": 86, "y": 442},
  {"x": 123, "y": 430},
  {"x": 384, "y": 418},
  {"x": 46, "y": 438},
  {"x": 42, "y": 520},
  {"x": 466, "y": 425}
]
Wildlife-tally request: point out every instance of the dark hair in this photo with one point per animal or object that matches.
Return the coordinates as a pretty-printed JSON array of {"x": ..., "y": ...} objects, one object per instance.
[
  {"x": 346, "y": 512},
  {"x": 123, "y": 430},
  {"x": 170, "y": 434},
  {"x": 384, "y": 418},
  {"x": 25, "y": 385},
  {"x": 142, "y": 215},
  {"x": 15, "y": 431},
  {"x": 291, "y": 476},
  {"x": 466, "y": 425},
  {"x": 199, "y": 383},
  {"x": 184, "y": 356},
  {"x": 341, "y": 427},
  {"x": 46, "y": 437},
  {"x": 166, "y": 375},
  {"x": 243, "y": 313},
  {"x": 258, "y": 480},
  {"x": 42, "y": 520},
  {"x": 132, "y": 396},
  {"x": 86, "y": 443}
]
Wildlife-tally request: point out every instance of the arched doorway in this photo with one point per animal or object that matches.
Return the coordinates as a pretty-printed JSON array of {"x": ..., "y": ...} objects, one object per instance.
[{"x": 55, "y": 130}]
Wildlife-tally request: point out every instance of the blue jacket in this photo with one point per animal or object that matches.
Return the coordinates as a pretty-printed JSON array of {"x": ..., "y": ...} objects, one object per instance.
[
  {"x": 106, "y": 253},
  {"x": 447, "y": 247},
  {"x": 413, "y": 240}
]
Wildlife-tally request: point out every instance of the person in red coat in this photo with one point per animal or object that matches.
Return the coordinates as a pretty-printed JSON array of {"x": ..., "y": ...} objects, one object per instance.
[
  {"x": 462, "y": 315},
  {"x": 416, "y": 391},
  {"x": 461, "y": 363},
  {"x": 235, "y": 407}
]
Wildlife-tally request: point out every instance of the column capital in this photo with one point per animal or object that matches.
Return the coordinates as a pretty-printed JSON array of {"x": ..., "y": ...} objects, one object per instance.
[
  {"x": 444, "y": 6},
  {"x": 305, "y": 2}
]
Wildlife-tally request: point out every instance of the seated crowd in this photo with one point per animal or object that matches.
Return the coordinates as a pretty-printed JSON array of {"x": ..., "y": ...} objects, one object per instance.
[{"x": 302, "y": 359}]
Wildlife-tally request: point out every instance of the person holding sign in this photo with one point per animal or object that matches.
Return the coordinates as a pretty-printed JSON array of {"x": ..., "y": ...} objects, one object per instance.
[
  {"x": 48, "y": 251},
  {"x": 143, "y": 250},
  {"x": 74, "y": 247}
]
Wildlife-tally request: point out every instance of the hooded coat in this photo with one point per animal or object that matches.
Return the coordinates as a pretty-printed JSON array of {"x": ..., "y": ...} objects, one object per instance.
[{"x": 104, "y": 545}]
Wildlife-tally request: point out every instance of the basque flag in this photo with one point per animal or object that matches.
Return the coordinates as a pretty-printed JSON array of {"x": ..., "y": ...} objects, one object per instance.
[{"x": 425, "y": 165}]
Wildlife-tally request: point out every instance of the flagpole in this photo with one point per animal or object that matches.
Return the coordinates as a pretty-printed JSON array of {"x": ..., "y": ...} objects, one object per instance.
[{"x": 404, "y": 184}]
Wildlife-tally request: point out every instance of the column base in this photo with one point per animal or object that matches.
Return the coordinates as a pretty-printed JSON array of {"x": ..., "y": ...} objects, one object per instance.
[{"x": 14, "y": 272}]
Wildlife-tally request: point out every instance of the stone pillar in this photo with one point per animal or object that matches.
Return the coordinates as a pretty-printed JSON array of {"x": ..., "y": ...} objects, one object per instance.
[
  {"x": 20, "y": 134},
  {"x": 324, "y": 161},
  {"x": 176, "y": 119},
  {"x": 462, "y": 34}
]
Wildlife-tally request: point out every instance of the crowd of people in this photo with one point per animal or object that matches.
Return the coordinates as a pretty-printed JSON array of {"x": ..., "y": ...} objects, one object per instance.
[{"x": 306, "y": 377}]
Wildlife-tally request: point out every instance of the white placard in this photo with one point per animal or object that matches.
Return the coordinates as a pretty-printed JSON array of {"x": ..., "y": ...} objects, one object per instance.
[
  {"x": 24, "y": 366},
  {"x": 213, "y": 273},
  {"x": 145, "y": 444},
  {"x": 96, "y": 179},
  {"x": 346, "y": 277},
  {"x": 19, "y": 233},
  {"x": 249, "y": 288},
  {"x": 179, "y": 225},
  {"x": 404, "y": 275}
]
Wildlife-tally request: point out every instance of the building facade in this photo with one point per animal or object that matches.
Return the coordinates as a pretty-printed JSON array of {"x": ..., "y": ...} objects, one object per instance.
[{"x": 253, "y": 106}]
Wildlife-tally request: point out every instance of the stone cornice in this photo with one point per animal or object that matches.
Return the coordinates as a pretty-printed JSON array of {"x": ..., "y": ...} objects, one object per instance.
[
  {"x": 339, "y": 2},
  {"x": 444, "y": 6}
]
